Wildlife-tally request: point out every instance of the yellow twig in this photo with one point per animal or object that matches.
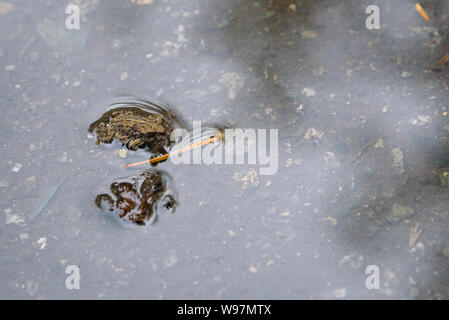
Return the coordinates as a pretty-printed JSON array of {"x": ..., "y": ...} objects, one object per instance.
[
  {"x": 422, "y": 12},
  {"x": 178, "y": 151}
]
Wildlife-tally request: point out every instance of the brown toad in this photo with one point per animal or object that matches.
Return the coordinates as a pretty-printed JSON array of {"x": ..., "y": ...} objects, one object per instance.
[
  {"x": 134, "y": 128},
  {"x": 137, "y": 199}
]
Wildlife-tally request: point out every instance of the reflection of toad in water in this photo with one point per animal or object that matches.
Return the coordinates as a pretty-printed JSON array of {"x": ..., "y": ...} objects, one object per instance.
[{"x": 137, "y": 198}]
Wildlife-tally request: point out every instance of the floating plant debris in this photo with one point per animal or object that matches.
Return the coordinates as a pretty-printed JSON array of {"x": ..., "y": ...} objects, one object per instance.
[
  {"x": 191, "y": 146},
  {"x": 422, "y": 12},
  {"x": 137, "y": 199}
]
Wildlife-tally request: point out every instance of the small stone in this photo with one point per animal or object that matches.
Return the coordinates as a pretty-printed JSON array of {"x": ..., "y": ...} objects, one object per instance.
[
  {"x": 406, "y": 74},
  {"x": 24, "y": 236},
  {"x": 121, "y": 153},
  {"x": 10, "y": 67},
  {"x": 123, "y": 75},
  {"x": 309, "y": 92},
  {"x": 309, "y": 34},
  {"x": 340, "y": 293},
  {"x": 231, "y": 233},
  {"x": 289, "y": 162},
  {"x": 313, "y": 133},
  {"x": 331, "y": 220},
  {"x": 424, "y": 119},
  {"x": 292, "y": 7},
  {"x": 41, "y": 243},
  {"x": 285, "y": 213},
  {"x": 379, "y": 144},
  {"x": 252, "y": 269},
  {"x": 12, "y": 218},
  {"x": 16, "y": 167}
]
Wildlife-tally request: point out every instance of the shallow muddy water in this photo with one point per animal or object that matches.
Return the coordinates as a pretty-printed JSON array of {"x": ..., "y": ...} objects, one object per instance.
[{"x": 362, "y": 133}]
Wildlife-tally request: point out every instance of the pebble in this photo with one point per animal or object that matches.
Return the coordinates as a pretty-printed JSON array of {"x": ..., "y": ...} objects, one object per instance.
[
  {"x": 41, "y": 243},
  {"x": 331, "y": 160},
  {"x": 252, "y": 269},
  {"x": 12, "y": 218},
  {"x": 340, "y": 293},
  {"x": 379, "y": 144},
  {"x": 121, "y": 153},
  {"x": 309, "y": 92},
  {"x": 16, "y": 167}
]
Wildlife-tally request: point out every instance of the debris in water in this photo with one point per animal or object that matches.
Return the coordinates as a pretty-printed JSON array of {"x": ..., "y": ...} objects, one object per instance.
[
  {"x": 415, "y": 233},
  {"x": 422, "y": 12}
]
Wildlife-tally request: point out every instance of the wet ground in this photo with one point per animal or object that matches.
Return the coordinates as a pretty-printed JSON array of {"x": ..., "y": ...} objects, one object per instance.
[{"x": 363, "y": 129}]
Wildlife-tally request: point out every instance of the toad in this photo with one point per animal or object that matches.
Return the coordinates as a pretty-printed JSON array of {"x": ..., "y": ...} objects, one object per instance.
[
  {"x": 137, "y": 199},
  {"x": 134, "y": 128}
]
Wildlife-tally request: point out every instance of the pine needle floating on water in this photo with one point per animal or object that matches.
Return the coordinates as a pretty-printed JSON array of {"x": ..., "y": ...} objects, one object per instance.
[
  {"x": 177, "y": 151},
  {"x": 422, "y": 12}
]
